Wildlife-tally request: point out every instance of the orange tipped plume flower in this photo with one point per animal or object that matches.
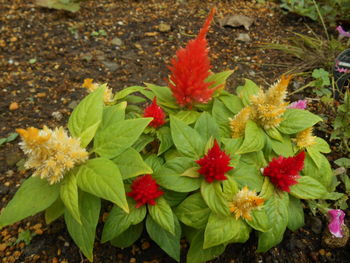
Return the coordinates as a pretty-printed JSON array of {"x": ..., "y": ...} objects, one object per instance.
[
  {"x": 156, "y": 113},
  {"x": 92, "y": 86},
  {"x": 190, "y": 69}
]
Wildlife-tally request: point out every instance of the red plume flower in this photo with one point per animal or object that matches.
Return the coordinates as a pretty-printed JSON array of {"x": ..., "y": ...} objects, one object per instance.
[
  {"x": 144, "y": 190},
  {"x": 156, "y": 113},
  {"x": 283, "y": 172},
  {"x": 190, "y": 68},
  {"x": 214, "y": 164}
]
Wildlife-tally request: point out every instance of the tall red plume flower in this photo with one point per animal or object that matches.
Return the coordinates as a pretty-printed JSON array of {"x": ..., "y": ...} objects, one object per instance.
[
  {"x": 190, "y": 68},
  {"x": 284, "y": 172},
  {"x": 156, "y": 113},
  {"x": 214, "y": 164},
  {"x": 144, "y": 190}
]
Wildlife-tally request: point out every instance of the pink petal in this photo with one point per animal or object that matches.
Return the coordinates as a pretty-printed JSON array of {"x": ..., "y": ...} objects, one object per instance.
[
  {"x": 300, "y": 104},
  {"x": 342, "y": 32},
  {"x": 336, "y": 222}
]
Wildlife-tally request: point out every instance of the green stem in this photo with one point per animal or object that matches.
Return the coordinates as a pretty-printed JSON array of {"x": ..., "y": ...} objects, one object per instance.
[
  {"x": 321, "y": 17},
  {"x": 302, "y": 88}
]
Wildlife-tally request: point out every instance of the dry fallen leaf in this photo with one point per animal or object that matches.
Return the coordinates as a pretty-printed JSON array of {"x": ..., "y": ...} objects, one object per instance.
[{"x": 237, "y": 21}]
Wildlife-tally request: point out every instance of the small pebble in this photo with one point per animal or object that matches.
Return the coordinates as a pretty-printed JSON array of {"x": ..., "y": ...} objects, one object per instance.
[
  {"x": 14, "y": 106},
  {"x": 132, "y": 260}
]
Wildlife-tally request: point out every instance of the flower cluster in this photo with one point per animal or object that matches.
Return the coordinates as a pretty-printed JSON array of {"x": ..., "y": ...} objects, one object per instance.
[
  {"x": 305, "y": 138},
  {"x": 51, "y": 152},
  {"x": 214, "y": 164},
  {"x": 336, "y": 222},
  {"x": 156, "y": 113},
  {"x": 91, "y": 86},
  {"x": 238, "y": 123},
  {"x": 284, "y": 172},
  {"x": 144, "y": 190}
]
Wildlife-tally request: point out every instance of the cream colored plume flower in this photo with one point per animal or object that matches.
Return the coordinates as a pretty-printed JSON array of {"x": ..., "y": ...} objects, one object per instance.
[
  {"x": 238, "y": 123},
  {"x": 305, "y": 138},
  {"x": 92, "y": 86},
  {"x": 268, "y": 107},
  {"x": 244, "y": 202},
  {"x": 51, "y": 152}
]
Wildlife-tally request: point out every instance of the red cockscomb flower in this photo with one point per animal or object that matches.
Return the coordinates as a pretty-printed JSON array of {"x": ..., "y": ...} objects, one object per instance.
[
  {"x": 156, "y": 113},
  {"x": 190, "y": 68},
  {"x": 283, "y": 172},
  {"x": 214, "y": 164},
  {"x": 144, "y": 190}
]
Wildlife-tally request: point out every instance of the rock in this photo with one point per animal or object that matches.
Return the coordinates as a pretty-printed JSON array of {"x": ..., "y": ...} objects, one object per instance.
[
  {"x": 163, "y": 27},
  {"x": 335, "y": 242},
  {"x": 57, "y": 115},
  {"x": 13, "y": 106},
  {"x": 237, "y": 21},
  {"x": 117, "y": 41},
  {"x": 244, "y": 37},
  {"x": 112, "y": 66},
  {"x": 73, "y": 104},
  {"x": 12, "y": 158}
]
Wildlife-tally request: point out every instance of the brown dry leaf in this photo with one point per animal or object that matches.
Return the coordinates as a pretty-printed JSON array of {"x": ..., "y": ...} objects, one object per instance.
[{"x": 237, "y": 21}]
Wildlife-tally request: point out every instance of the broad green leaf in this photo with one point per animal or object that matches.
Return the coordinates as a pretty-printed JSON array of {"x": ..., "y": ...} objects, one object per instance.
[
  {"x": 247, "y": 175},
  {"x": 207, "y": 127},
  {"x": 193, "y": 211},
  {"x": 170, "y": 243},
  {"x": 295, "y": 214},
  {"x": 322, "y": 174},
  {"x": 256, "y": 159},
  {"x": 308, "y": 188},
  {"x": 221, "y": 229},
  {"x": 69, "y": 194},
  {"x": 191, "y": 172},
  {"x": 141, "y": 142},
  {"x": 260, "y": 220},
  {"x": 232, "y": 102},
  {"x": 315, "y": 155},
  {"x": 33, "y": 196},
  {"x": 166, "y": 141},
  {"x": 254, "y": 139},
  {"x": 187, "y": 116},
  {"x": 277, "y": 211},
  {"x": 162, "y": 214},
  {"x": 284, "y": 147},
  {"x": 156, "y": 163},
  {"x": 84, "y": 234},
  {"x": 118, "y": 221},
  {"x": 230, "y": 188},
  {"x": 222, "y": 114},
  {"x": 128, "y": 237},
  {"x": 321, "y": 145},
  {"x": 86, "y": 117},
  {"x": 295, "y": 120},
  {"x": 186, "y": 139},
  {"x": 197, "y": 254},
  {"x": 214, "y": 198},
  {"x": 247, "y": 90},
  {"x": 230, "y": 147},
  {"x": 134, "y": 99},
  {"x": 102, "y": 178},
  {"x": 164, "y": 96},
  {"x": 118, "y": 137},
  {"x": 54, "y": 211},
  {"x": 218, "y": 79},
  {"x": 131, "y": 164},
  {"x": 274, "y": 134},
  {"x": 174, "y": 198},
  {"x": 112, "y": 114},
  {"x": 126, "y": 91}
]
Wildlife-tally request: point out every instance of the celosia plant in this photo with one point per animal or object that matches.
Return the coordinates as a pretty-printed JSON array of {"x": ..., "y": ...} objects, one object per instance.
[{"x": 222, "y": 164}]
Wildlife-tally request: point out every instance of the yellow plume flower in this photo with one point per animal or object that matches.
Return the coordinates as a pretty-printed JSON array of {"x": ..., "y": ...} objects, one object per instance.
[
  {"x": 238, "y": 123},
  {"x": 91, "y": 86},
  {"x": 244, "y": 202},
  {"x": 305, "y": 138},
  {"x": 51, "y": 152}
]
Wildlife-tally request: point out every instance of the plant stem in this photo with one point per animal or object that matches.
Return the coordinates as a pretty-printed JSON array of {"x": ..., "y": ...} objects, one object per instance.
[
  {"x": 321, "y": 17},
  {"x": 302, "y": 88}
]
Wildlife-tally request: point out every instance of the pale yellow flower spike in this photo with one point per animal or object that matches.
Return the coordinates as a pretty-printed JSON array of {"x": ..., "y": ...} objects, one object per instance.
[
  {"x": 238, "y": 123},
  {"x": 51, "y": 152},
  {"x": 244, "y": 202},
  {"x": 305, "y": 138},
  {"x": 91, "y": 86}
]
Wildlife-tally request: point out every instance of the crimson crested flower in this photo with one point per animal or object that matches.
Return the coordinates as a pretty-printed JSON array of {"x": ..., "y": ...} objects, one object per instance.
[
  {"x": 144, "y": 190},
  {"x": 284, "y": 172},
  {"x": 156, "y": 113},
  {"x": 214, "y": 164},
  {"x": 190, "y": 69}
]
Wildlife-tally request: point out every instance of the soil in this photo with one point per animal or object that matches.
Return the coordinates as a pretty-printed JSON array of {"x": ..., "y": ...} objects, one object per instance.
[{"x": 46, "y": 54}]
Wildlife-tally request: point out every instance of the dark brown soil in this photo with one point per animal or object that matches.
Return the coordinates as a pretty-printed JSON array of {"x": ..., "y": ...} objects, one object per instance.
[{"x": 46, "y": 54}]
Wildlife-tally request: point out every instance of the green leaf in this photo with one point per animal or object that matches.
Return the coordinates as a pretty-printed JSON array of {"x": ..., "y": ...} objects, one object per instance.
[
  {"x": 128, "y": 237},
  {"x": 54, "y": 211},
  {"x": 308, "y": 188},
  {"x": 102, "y": 178},
  {"x": 248, "y": 175},
  {"x": 254, "y": 139},
  {"x": 315, "y": 155},
  {"x": 156, "y": 163},
  {"x": 186, "y": 139},
  {"x": 84, "y": 234},
  {"x": 214, "y": 197},
  {"x": 230, "y": 188},
  {"x": 222, "y": 114},
  {"x": 193, "y": 211},
  {"x": 166, "y": 141},
  {"x": 126, "y": 91},
  {"x": 207, "y": 127},
  {"x": 118, "y": 137},
  {"x": 260, "y": 220},
  {"x": 284, "y": 147},
  {"x": 232, "y": 102},
  {"x": 170, "y": 243},
  {"x": 69, "y": 194},
  {"x": 164, "y": 96},
  {"x": 322, "y": 174},
  {"x": 277, "y": 211},
  {"x": 191, "y": 172},
  {"x": 174, "y": 198},
  {"x": 118, "y": 221},
  {"x": 131, "y": 164},
  {"x": 219, "y": 79},
  {"x": 196, "y": 253},
  {"x": 274, "y": 134},
  {"x": 296, "y": 120},
  {"x": 142, "y": 141},
  {"x": 112, "y": 114},
  {"x": 295, "y": 214},
  {"x": 86, "y": 117},
  {"x": 187, "y": 116},
  {"x": 321, "y": 145},
  {"x": 245, "y": 92},
  {"x": 162, "y": 214},
  {"x": 33, "y": 196},
  {"x": 221, "y": 229}
]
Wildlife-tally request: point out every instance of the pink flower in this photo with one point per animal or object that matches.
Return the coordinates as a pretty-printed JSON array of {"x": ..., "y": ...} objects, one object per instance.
[
  {"x": 336, "y": 222},
  {"x": 300, "y": 104},
  {"x": 342, "y": 32}
]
